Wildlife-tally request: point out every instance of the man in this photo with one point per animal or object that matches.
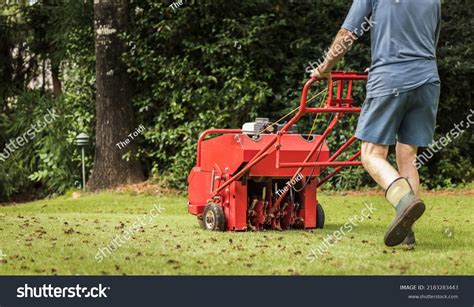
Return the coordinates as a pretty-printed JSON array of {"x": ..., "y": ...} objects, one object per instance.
[{"x": 402, "y": 96}]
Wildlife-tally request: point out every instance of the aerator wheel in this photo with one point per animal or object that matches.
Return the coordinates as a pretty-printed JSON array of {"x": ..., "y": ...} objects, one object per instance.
[
  {"x": 319, "y": 216},
  {"x": 213, "y": 217}
]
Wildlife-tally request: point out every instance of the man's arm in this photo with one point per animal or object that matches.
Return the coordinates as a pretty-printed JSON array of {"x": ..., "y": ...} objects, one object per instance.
[
  {"x": 341, "y": 44},
  {"x": 358, "y": 14}
]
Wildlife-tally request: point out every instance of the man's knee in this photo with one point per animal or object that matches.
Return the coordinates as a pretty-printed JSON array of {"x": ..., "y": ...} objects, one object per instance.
[
  {"x": 370, "y": 151},
  {"x": 405, "y": 154}
]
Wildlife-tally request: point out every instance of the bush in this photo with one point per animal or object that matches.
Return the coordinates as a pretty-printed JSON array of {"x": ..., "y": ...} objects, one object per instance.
[{"x": 204, "y": 65}]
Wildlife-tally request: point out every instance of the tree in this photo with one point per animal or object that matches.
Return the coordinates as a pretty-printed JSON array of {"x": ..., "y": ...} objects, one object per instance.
[{"x": 114, "y": 112}]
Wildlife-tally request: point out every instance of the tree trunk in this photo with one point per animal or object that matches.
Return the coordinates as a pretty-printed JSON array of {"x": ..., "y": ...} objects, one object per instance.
[
  {"x": 6, "y": 65},
  {"x": 114, "y": 113},
  {"x": 57, "y": 87}
]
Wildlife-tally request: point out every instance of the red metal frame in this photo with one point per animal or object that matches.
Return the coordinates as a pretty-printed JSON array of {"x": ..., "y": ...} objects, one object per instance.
[{"x": 338, "y": 105}]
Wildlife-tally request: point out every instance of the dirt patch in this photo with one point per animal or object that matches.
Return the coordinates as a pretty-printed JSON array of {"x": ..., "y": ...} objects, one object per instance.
[{"x": 146, "y": 188}]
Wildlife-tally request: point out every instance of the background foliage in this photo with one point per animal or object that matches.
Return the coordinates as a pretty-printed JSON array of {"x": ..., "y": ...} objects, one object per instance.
[{"x": 201, "y": 65}]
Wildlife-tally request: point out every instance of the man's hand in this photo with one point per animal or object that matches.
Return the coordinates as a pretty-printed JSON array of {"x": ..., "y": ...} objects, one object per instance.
[{"x": 320, "y": 73}]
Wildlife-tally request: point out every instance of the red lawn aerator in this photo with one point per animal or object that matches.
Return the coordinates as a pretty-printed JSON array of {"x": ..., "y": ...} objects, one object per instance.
[{"x": 265, "y": 175}]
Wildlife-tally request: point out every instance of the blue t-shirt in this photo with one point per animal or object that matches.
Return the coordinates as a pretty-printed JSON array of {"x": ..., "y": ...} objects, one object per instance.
[{"x": 404, "y": 35}]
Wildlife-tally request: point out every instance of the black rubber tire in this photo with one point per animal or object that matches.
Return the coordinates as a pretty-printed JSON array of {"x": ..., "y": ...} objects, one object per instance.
[
  {"x": 213, "y": 218},
  {"x": 319, "y": 216}
]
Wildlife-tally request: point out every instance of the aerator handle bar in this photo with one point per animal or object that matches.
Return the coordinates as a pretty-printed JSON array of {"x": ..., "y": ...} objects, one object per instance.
[
  {"x": 339, "y": 104},
  {"x": 336, "y": 103}
]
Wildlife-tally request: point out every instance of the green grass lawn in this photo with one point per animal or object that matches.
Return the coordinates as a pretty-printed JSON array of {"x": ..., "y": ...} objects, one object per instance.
[{"x": 62, "y": 236}]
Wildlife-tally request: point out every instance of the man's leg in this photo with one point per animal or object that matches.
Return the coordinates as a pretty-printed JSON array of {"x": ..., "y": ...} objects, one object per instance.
[
  {"x": 406, "y": 156},
  {"x": 374, "y": 160},
  {"x": 417, "y": 127}
]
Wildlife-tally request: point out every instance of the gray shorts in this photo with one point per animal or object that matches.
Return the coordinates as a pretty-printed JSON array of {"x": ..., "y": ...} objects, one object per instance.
[{"x": 408, "y": 117}]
